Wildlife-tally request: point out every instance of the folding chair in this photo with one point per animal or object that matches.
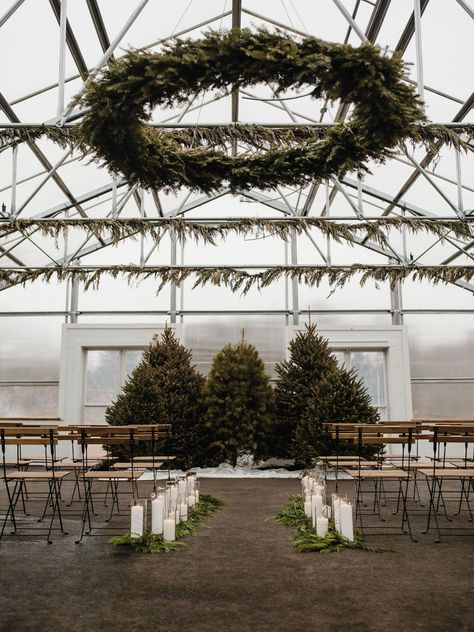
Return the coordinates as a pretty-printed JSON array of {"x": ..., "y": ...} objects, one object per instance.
[{"x": 46, "y": 437}]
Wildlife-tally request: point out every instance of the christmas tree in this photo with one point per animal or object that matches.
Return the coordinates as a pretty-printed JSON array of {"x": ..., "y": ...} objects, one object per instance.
[
  {"x": 309, "y": 360},
  {"x": 338, "y": 397},
  {"x": 311, "y": 390},
  {"x": 238, "y": 399},
  {"x": 164, "y": 388}
]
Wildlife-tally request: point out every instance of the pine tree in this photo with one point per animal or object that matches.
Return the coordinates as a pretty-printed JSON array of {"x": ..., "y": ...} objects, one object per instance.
[
  {"x": 338, "y": 397},
  {"x": 311, "y": 389},
  {"x": 238, "y": 399},
  {"x": 309, "y": 359},
  {"x": 164, "y": 388}
]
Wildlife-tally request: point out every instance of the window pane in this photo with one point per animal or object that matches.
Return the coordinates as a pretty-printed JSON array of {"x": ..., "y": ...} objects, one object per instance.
[
  {"x": 132, "y": 359},
  {"x": 370, "y": 368},
  {"x": 102, "y": 376}
]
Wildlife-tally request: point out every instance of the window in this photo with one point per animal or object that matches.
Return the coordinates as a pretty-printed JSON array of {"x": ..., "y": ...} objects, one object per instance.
[
  {"x": 370, "y": 368},
  {"x": 105, "y": 374}
]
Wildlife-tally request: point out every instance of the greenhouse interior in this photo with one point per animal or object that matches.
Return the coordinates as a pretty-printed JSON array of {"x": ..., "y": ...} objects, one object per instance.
[{"x": 236, "y": 315}]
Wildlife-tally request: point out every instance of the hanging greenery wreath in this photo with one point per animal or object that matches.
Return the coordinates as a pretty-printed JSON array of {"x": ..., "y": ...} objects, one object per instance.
[{"x": 118, "y": 105}]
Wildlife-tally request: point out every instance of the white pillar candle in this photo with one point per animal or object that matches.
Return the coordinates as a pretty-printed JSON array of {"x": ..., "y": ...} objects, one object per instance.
[
  {"x": 173, "y": 492},
  {"x": 336, "y": 504},
  {"x": 307, "y": 508},
  {"x": 169, "y": 529},
  {"x": 321, "y": 527},
  {"x": 182, "y": 488},
  {"x": 184, "y": 512},
  {"x": 178, "y": 513},
  {"x": 347, "y": 526},
  {"x": 197, "y": 495},
  {"x": 192, "y": 499},
  {"x": 316, "y": 507},
  {"x": 136, "y": 521},
  {"x": 157, "y": 510}
]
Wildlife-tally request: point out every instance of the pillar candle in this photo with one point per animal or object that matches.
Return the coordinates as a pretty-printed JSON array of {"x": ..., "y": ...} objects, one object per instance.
[
  {"x": 347, "y": 526},
  {"x": 182, "y": 489},
  {"x": 178, "y": 513},
  {"x": 157, "y": 509},
  {"x": 307, "y": 508},
  {"x": 184, "y": 512},
  {"x": 173, "y": 492},
  {"x": 321, "y": 527},
  {"x": 169, "y": 529},
  {"x": 336, "y": 512},
  {"x": 197, "y": 495},
  {"x": 192, "y": 499},
  {"x": 136, "y": 521},
  {"x": 316, "y": 507}
]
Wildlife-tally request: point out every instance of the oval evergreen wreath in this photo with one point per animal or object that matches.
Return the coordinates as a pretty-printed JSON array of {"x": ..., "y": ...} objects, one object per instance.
[{"x": 119, "y": 103}]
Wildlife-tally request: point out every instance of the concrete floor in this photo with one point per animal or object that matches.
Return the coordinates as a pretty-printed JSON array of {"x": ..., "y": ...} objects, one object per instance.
[{"x": 240, "y": 574}]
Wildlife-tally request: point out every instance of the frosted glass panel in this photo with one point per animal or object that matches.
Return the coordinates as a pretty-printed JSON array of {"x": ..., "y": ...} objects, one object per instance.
[
  {"x": 102, "y": 377},
  {"x": 370, "y": 368},
  {"x": 132, "y": 359}
]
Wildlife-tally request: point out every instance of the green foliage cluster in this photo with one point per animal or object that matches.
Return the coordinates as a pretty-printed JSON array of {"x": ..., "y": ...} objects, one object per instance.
[
  {"x": 238, "y": 399},
  {"x": 164, "y": 388},
  {"x": 116, "y": 110},
  {"x": 312, "y": 390},
  {"x": 153, "y": 543},
  {"x": 306, "y": 540}
]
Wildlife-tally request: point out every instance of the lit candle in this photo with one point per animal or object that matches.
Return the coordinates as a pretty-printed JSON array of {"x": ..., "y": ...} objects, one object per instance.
[
  {"x": 169, "y": 529},
  {"x": 347, "y": 526},
  {"x": 157, "y": 509},
  {"x": 316, "y": 507},
  {"x": 321, "y": 526},
  {"x": 136, "y": 521}
]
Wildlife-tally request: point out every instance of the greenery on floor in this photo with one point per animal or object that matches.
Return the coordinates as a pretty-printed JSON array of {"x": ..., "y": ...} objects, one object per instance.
[
  {"x": 305, "y": 540},
  {"x": 153, "y": 543}
]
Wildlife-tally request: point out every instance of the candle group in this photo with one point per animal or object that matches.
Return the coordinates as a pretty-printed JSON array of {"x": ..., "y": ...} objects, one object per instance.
[
  {"x": 314, "y": 495},
  {"x": 169, "y": 507}
]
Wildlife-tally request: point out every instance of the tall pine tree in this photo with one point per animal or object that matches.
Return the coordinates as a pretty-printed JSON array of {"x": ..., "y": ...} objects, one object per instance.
[
  {"x": 165, "y": 388},
  {"x": 338, "y": 397},
  {"x": 309, "y": 360},
  {"x": 311, "y": 389},
  {"x": 238, "y": 400}
]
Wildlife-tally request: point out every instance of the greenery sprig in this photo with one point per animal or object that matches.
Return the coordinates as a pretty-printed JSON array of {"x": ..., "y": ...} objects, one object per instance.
[
  {"x": 306, "y": 540},
  {"x": 153, "y": 543},
  {"x": 117, "y": 108},
  {"x": 116, "y": 230},
  {"x": 237, "y": 279}
]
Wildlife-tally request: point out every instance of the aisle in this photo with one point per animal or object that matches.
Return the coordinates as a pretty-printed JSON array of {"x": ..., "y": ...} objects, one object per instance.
[{"x": 239, "y": 575}]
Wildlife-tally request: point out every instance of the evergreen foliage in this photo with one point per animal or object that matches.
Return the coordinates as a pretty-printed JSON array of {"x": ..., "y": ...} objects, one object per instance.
[
  {"x": 164, "y": 388},
  {"x": 238, "y": 397},
  {"x": 311, "y": 390},
  {"x": 338, "y": 397},
  {"x": 309, "y": 360}
]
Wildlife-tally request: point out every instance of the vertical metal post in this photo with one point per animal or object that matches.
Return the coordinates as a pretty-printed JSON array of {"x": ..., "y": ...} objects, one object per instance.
[
  {"x": 294, "y": 280},
  {"x": 114, "y": 196},
  {"x": 181, "y": 288},
  {"x": 287, "y": 293},
  {"x": 327, "y": 213},
  {"x": 14, "y": 179},
  {"x": 459, "y": 180},
  {"x": 236, "y": 23},
  {"x": 396, "y": 302},
  {"x": 142, "y": 215},
  {"x": 419, "y": 51},
  {"x": 74, "y": 308},
  {"x": 173, "y": 286},
  {"x": 62, "y": 55}
]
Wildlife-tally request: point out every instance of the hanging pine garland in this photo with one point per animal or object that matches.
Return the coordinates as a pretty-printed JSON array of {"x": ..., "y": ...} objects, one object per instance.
[
  {"x": 117, "y": 107},
  {"x": 117, "y": 229},
  {"x": 239, "y": 278}
]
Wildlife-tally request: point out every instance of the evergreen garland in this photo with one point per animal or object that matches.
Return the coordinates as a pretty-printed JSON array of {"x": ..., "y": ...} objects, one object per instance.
[
  {"x": 117, "y": 107},
  {"x": 240, "y": 279},
  {"x": 154, "y": 543},
  {"x": 238, "y": 399},
  {"x": 208, "y": 233}
]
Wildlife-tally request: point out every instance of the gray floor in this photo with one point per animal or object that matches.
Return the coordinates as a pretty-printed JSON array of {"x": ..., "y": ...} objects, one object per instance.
[{"x": 240, "y": 574}]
